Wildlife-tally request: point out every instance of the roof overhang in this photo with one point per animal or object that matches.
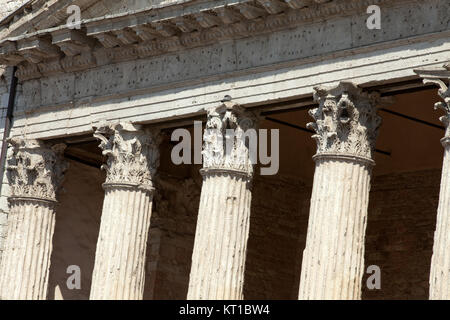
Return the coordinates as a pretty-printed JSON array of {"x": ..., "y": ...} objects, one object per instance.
[{"x": 156, "y": 30}]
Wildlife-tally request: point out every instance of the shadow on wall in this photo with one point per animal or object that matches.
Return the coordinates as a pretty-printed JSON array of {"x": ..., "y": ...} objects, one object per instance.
[
  {"x": 277, "y": 235},
  {"x": 399, "y": 236},
  {"x": 172, "y": 230},
  {"x": 171, "y": 237},
  {"x": 76, "y": 230},
  {"x": 400, "y": 231},
  {"x": 278, "y": 225}
]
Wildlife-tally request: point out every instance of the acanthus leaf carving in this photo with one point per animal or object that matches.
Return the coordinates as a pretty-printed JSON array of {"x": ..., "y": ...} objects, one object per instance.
[
  {"x": 444, "y": 93},
  {"x": 35, "y": 169},
  {"x": 346, "y": 121},
  {"x": 132, "y": 153},
  {"x": 226, "y": 143}
]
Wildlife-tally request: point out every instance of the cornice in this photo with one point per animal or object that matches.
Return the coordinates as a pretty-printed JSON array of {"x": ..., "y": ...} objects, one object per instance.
[
  {"x": 38, "y": 14},
  {"x": 161, "y": 30}
]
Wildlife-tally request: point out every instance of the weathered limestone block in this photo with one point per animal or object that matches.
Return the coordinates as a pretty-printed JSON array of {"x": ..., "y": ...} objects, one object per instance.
[
  {"x": 8, "y": 6},
  {"x": 35, "y": 171},
  {"x": 440, "y": 261},
  {"x": 133, "y": 157},
  {"x": 218, "y": 259},
  {"x": 346, "y": 126}
]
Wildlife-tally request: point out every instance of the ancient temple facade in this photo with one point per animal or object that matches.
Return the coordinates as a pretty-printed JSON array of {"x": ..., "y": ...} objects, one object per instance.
[{"x": 93, "y": 205}]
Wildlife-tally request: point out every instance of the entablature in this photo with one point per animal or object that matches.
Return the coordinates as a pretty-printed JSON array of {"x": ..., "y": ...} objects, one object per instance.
[{"x": 161, "y": 29}]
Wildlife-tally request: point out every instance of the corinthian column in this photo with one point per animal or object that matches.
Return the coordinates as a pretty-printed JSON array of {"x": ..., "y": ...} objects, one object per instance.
[
  {"x": 440, "y": 261},
  {"x": 132, "y": 159},
  {"x": 346, "y": 126},
  {"x": 34, "y": 171},
  {"x": 218, "y": 259}
]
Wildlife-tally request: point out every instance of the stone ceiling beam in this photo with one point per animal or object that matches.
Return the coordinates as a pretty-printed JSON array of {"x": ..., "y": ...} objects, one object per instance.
[
  {"x": 298, "y": 4},
  {"x": 126, "y": 37},
  {"x": 72, "y": 42},
  {"x": 107, "y": 40},
  {"x": 146, "y": 33},
  {"x": 186, "y": 25},
  {"x": 273, "y": 6},
  {"x": 8, "y": 53},
  {"x": 165, "y": 29},
  {"x": 207, "y": 20},
  {"x": 227, "y": 15},
  {"x": 251, "y": 12},
  {"x": 36, "y": 50}
]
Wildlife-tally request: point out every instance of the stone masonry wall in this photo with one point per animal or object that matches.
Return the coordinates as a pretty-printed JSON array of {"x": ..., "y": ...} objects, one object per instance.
[
  {"x": 400, "y": 231},
  {"x": 171, "y": 238},
  {"x": 278, "y": 226}
]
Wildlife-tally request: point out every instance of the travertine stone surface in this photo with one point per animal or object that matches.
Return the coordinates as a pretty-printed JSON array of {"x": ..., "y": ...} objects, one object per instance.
[
  {"x": 263, "y": 64},
  {"x": 8, "y": 6},
  {"x": 440, "y": 261},
  {"x": 35, "y": 172},
  {"x": 119, "y": 269},
  {"x": 346, "y": 126},
  {"x": 218, "y": 259},
  {"x": 333, "y": 260}
]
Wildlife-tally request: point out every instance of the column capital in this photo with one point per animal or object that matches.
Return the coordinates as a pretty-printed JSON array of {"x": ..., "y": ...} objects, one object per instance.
[
  {"x": 444, "y": 93},
  {"x": 132, "y": 154},
  {"x": 224, "y": 141},
  {"x": 436, "y": 76},
  {"x": 346, "y": 121},
  {"x": 35, "y": 170}
]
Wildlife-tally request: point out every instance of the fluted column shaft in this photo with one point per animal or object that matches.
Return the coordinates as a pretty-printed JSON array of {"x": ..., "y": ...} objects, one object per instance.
[
  {"x": 35, "y": 172},
  {"x": 440, "y": 261},
  {"x": 346, "y": 126},
  {"x": 119, "y": 268},
  {"x": 119, "y": 271},
  {"x": 218, "y": 261},
  {"x": 220, "y": 248},
  {"x": 333, "y": 259},
  {"x": 26, "y": 259}
]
